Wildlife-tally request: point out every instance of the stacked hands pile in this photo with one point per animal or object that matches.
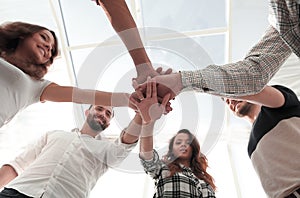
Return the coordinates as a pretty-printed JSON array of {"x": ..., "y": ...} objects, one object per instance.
[{"x": 146, "y": 102}]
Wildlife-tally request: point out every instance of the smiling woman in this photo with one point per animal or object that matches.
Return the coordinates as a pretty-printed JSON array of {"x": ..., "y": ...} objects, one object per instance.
[{"x": 27, "y": 50}]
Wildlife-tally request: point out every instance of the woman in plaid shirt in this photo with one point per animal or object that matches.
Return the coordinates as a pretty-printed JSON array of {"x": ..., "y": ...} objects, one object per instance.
[{"x": 182, "y": 171}]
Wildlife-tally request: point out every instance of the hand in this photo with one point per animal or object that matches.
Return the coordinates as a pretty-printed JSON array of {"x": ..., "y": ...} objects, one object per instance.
[
  {"x": 162, "y": 72},
  {"x": 145, "y": 70},
  {"x": 138, "y": 96},
  {"x": 149, "y": 108},
  {"x": 166, "y": 84}
]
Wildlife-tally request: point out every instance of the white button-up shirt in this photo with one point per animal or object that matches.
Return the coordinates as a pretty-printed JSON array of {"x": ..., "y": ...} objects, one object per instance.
[{"x": 65, "y": 164}]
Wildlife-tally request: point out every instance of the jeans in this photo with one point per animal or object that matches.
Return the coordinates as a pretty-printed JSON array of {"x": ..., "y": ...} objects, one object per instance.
[{"x": 12, "y": 193}]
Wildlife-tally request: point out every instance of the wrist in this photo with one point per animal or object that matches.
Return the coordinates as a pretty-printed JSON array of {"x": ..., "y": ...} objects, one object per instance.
[
  {"x": 138, "y": 119},
  {"x": 148, "y": 123},
  {"x": 179, "y": 81},
  {"x": 140, "y": 57},
  {"x": 120, "y": 99},
  {"x": 144, "y": 67}
]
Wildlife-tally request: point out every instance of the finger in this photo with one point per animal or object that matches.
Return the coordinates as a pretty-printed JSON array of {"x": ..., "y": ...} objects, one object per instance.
[
  {"x": 139, "y": 94},
  {"x": 159, "y": 70},
  {"x": 159, "y": 99},
  {"x": 165, "y": 100},
  {"x": 133, "y": 101},
  {"x": 148, "y": 92},
  {"x": 154, "y": 89},
  {"x": 135, "y": 84},
  {"x": 134, "y": 95},
  {"x": 168, "y": 109},
  {"x": 132, "y": 106},
  {"x": 168, "y": 71},
  {"x": 168, "y": 104}
]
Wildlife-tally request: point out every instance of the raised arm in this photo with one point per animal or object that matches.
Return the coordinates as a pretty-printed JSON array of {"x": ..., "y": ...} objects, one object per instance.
[
  {"x": 7, "y": 173},
  {"x": 246, "y": 77},
  {"x": 132, "y": 133},
  {"x": 124, "y": 24},
  {"x": 146, "y": 141},
  {"x": 57, "y": 93},
  {"x": 150, "y": 111}
]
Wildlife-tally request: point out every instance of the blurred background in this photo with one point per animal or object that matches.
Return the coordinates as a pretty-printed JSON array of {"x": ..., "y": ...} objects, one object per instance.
[{"x": 177, "y": 34}]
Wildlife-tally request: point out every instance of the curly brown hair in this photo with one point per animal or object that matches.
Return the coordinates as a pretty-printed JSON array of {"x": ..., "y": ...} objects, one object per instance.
[
  {"x": 10, "y": 36},
  {"x": 198, "y": 162}
]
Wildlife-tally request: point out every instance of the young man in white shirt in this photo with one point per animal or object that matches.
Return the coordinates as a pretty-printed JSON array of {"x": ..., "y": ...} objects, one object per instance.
[{"x": 68, "y": 164}]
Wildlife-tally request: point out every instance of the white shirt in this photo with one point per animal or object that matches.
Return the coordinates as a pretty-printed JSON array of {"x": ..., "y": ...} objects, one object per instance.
[
  {"x": 65, "y": 164},
  {"x": 17, "y": 91}
]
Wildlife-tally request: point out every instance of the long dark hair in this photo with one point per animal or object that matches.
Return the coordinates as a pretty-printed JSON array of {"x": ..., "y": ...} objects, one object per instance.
[
  {"x": 198, "y": 162},
  {"x": 10, "y": 37}
]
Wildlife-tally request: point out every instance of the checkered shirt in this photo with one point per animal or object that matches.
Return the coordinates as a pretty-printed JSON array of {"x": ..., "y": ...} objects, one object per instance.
[
  {"x": 181, "y": 185},
  {"x": 250, "y": 75}
]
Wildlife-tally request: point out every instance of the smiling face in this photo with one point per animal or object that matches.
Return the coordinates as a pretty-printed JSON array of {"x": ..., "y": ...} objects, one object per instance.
[
  {"x": 182, "y": 147},
  {"x": 31, "y": 48},
  {"x": 98, "y": 117},
  {"x": 37, "y": 48}
]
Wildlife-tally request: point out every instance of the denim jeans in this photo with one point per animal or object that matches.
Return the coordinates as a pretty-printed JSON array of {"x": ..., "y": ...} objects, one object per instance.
[{"x": 12, "y": 193}]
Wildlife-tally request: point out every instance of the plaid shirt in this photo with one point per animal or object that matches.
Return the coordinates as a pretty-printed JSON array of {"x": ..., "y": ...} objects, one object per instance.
[
  {"x": 181, "y": 185},
  {"x": 249, "y": 76}
]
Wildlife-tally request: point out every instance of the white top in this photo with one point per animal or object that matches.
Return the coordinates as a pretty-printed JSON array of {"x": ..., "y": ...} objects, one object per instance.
[
  {"x": 17, "y": 91},
  {"x": 65, "y": 164}
]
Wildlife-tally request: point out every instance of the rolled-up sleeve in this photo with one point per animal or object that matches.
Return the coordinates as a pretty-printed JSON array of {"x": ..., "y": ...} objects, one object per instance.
[
  {"x": 154, "y": 166},
  {"x": 117, "y": 152},
  {"x": 29, "y": 154}
]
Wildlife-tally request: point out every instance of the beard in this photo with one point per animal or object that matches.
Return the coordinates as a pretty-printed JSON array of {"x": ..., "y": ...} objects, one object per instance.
[
  {"x": 245, "y": 110},
  {"x": 96, "y": 126}
]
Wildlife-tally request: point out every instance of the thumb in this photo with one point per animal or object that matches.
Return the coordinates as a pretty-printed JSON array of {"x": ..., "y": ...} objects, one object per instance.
[
  {"x": 165, "y": 100},
  {"x": 135, "y": 84}
]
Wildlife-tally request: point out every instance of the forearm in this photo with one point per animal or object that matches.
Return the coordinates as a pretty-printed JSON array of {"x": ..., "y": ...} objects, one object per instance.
[
  {"x": 124, "y": 24},
  {"x": 268, "y": 97},
  {"x": 7, "y": 173},
  {"x": 245, "y": 77},
  {"x": 57, "y": 93},
  {"x": 100, "y": 98},
  {"x": 146, "y": 142},
  {"x": 132, "y": 132}
]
